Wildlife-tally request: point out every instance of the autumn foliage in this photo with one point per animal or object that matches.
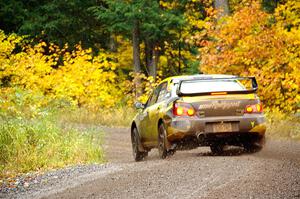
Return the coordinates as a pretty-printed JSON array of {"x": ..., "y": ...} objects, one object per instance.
[
  {"x": 250, "y": 42},
  {"x": 78, "y": 76},
  {"x": 254, "y": 43}
]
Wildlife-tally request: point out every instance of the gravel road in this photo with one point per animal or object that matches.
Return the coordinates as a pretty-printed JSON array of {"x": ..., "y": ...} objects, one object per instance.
[{"x": 272, "y": 173}]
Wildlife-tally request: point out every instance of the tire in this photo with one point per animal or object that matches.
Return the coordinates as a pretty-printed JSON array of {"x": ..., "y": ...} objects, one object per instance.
[
  {"x": 217, "y": 149},
  {"x": 252, "y": 147},
  {"x": 135, "y": 140},
  {"x": 162, "y": 149}
]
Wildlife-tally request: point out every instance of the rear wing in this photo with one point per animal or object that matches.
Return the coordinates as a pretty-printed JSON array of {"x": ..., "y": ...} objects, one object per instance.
[{"x": 253, "y": 89}]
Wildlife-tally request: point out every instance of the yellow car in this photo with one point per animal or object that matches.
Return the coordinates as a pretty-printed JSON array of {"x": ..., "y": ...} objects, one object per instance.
[{"x": 186, "y": 112}]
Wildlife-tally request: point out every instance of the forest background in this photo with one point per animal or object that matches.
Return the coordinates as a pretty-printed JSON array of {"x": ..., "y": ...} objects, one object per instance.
[{"x": 74, "y": 62}]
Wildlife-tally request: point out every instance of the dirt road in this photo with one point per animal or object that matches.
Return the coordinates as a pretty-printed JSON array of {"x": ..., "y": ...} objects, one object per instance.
[{"x": 272, "y": 173}]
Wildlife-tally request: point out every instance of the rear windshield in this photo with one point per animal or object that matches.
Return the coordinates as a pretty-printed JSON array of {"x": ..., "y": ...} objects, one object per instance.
[{"x": 203, "y": 86}]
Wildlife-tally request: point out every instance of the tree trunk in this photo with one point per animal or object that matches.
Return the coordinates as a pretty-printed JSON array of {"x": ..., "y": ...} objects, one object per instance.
[
  {"x": 136, "y": 56},
  {"x": 223, "y": 7},
  {"x": 113, "y": 43},
  {"x": 136, "y": 47},
  {"x": 148, "y": 55},
  {"x": 153, "y": 63}
]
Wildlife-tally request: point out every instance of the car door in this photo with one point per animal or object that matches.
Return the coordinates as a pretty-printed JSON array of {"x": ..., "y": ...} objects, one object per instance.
[
  {"x": 144, "y": 117},
  {"x": 145, "y": 122},
  {"x": 153, "y": 112}
]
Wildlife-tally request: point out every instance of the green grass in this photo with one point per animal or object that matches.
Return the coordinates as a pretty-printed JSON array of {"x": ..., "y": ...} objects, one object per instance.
[
  {"x": 34, "y": 139},
  {"x": 39, "y": 144}
]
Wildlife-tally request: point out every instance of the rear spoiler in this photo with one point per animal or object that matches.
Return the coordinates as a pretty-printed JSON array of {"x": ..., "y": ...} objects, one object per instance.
[{"x": 252, "y": 90}]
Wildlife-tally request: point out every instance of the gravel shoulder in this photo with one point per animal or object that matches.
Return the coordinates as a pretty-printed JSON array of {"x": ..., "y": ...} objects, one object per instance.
[{"x": 272, "y": 173}]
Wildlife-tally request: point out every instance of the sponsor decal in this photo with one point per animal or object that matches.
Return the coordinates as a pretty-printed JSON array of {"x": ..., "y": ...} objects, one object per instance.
[{"x": 220, "y": 105}]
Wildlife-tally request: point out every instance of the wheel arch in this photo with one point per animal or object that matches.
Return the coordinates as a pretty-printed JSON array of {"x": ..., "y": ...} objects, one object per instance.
[{"x": 133, "y": 125}]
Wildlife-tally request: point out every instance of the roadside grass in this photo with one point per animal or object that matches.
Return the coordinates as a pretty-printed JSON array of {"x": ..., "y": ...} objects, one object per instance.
[
  {"x": 39, "y": 139},
  {"x": 117, "y": 117},
  {"x": 280, "y": 126},
  {"x": 37, "y": 144}
]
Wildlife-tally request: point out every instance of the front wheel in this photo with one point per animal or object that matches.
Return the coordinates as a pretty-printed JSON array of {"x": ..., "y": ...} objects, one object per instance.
[
  {"x": 162, "y": 147},
  {"x": 135, "y": 140}
]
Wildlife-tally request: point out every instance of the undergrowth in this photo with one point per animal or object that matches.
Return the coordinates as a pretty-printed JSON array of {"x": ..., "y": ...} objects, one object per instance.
[
  {"x": 281, "y": 126},
  {"x": 38, "y": 137},
  {"x": 117, "y": 117},
  {"x": 42, "y": 143}
]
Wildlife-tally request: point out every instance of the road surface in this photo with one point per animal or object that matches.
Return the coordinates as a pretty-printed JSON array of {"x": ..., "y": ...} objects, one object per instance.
[{"x": 272, "y": 173}]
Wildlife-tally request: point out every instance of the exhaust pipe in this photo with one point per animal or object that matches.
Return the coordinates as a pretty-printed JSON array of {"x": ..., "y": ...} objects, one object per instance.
[{"x": 200, "y": 137}]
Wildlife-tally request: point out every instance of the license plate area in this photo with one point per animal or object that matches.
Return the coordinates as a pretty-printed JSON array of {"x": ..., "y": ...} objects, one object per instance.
[{"x": 221, "y": 127}]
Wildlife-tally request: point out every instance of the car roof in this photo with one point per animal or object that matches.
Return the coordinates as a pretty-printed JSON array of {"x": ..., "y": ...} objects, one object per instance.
[{"x": 176, "y": 79}]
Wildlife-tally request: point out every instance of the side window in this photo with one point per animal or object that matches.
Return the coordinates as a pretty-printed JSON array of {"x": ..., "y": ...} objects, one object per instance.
[
  {"x": 149, "y": 100},
  {"x": 163, "y": 92},
  {"x": 153, "y": 98}
]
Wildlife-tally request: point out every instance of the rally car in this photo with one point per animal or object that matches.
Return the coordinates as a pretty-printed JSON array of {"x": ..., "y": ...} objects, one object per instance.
[{"x": 186, "y": 112}]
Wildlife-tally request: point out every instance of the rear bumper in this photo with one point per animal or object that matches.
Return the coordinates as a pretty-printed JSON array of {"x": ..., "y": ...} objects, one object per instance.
[{"x": 181, "y": 127}]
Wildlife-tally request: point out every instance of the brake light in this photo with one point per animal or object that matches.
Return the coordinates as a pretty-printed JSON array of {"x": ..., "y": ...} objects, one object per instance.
[
  {"x": 183, "y": 109},
  {"x": 249, "y": 109},
  {"x": 259, "y": 107},
  {"x": 254, "y": 108}
]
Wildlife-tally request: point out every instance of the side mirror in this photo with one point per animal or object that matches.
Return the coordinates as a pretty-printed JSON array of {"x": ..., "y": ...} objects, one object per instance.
[
  {"x": 139, "y": 105},
  {"x": 168, "y": 95}
]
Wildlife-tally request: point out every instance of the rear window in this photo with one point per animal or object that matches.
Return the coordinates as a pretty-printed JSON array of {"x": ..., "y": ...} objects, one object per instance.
[{"x": 203, "y": 86}]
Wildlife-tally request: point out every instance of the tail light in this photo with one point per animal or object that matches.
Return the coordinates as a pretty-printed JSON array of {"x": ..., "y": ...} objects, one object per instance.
[
  {"x": 183, "y": 109},
  {"x": 254, "y": 108}
]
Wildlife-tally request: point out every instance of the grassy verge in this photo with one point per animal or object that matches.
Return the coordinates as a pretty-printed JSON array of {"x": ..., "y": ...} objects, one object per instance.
[
  {"x": 278, "y": 125},
  {"x": 43, "y": 140},
  {"x": 283, "y": 127},
  {"x": 121, "y": 116},
  {"x": 41, "y": 143}
]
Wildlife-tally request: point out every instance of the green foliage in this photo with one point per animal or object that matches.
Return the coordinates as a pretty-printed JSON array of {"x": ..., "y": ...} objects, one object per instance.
[
  {"x": 120, "y": 15},
  {"x": 33, "y": 139},
  {"x": 53, "y": 21}
]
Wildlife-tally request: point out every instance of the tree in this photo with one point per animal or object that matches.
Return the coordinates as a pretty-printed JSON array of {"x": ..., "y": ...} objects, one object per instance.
[
  {"x": 250, "y": 44},
  {"x": 54, "y": 21},
  {"x": 147, "y": 21},
  {"x": 222, "y": 6}
]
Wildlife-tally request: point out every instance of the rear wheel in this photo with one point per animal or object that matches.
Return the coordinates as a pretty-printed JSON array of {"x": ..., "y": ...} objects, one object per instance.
[
  {"x": 162, "y": 148},
  {"x": 252, "y": 147},
  {"x": 217, "y": 149},
  {"x": 135, "y": 140}
]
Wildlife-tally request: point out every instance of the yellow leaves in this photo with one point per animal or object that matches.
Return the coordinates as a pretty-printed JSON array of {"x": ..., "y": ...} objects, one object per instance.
[
  {"x": 288, "y": 14},
  {"x": 84, "y": 79},
  {"x": 248, "y": 45}
]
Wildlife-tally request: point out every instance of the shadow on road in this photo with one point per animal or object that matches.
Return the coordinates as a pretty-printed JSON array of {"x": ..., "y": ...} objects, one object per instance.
[{"x": 236, "y": 151}]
